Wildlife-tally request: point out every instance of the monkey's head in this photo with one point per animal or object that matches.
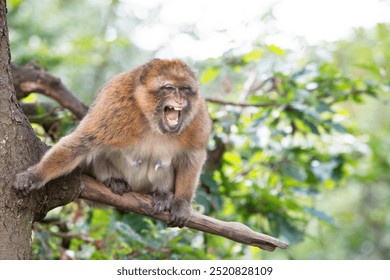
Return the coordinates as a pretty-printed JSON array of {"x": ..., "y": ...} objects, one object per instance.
[{"x": 169, "y": 95}]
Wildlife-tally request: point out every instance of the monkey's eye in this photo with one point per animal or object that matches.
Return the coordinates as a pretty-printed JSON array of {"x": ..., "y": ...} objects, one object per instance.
[
  {"x": 186, "y": 90},
  {"x": 168, "y": 88}
]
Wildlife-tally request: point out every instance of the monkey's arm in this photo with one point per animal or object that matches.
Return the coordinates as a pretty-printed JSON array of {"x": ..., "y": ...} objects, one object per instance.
[
  {"x": 186, "y": 180},
  {"x": 63, "y": 158}
]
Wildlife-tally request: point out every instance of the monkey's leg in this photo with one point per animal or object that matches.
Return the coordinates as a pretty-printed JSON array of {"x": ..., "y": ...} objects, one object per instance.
[
  {"x": 162, "y": 178},
  {"x": 63, "y": 158},
  {"x": 104, "y": 170},
  {"x": 186, "y": 180}
]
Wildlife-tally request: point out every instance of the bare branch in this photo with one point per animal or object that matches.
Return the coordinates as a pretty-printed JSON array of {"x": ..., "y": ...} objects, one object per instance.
[
  {"x": 33, "y": 109},
  {"x": 142, "y": 204},
  {"x": 260, "y": 84},
  {"x": 239, "y": 104},
  {"x": 32, "y": 78}
]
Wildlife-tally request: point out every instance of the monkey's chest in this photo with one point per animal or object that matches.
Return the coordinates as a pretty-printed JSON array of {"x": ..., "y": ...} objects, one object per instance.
[{"x": 148, "y": 164}]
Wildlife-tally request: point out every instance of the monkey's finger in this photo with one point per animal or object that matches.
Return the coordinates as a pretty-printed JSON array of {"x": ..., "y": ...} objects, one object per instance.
[
  {"x": 177, "y": 221},
  {"x": 182, "y": 222},
  {"x": 26, "y": 191},
  {"x": 158, "y": 208},
  {"x": 22, "y": 184},
  {"x": 171, "y": 221},
  {"x": 23, "y": 191}
]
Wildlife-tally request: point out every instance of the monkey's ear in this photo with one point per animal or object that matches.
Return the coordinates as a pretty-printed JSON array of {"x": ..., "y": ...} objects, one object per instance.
[
  {"x": 145, "y": 69},
  {"x": 144, "y": 73}
]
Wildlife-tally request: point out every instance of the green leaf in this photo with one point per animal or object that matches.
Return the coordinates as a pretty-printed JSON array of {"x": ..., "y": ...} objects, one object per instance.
[
  {"x": 329, "y": 69},
  {"x": 232, "y": 158},
  {"x": 254, "y": 55},
  {"x": 305, "y": 191},
  {"x": 276, "y": 50},
  {"x": 209, "y": 181},
  {"x": 305, "y": 110},
  {"x": 339, "y": 127},
  {"x": 31, "y": 98},
  {"x": 289, "y": 231},
  {"x": 313, "y": 128},
  {"x": 209, "y": 74},
  {"x": 14, "y": 4},
  {"x": 320, "y": 215},
  {"x": 128, "y": 232},
  {"x": 322, "y": 107},
  {"x": 299, "y": 73},
  {"x": 295, "y": 171},
  {"x": 201, "y": 198},
  {"x": 324, "y": 170}
]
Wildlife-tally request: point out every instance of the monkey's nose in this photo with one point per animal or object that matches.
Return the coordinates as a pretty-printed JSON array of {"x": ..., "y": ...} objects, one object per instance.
[{"x": 181, "y": 102}]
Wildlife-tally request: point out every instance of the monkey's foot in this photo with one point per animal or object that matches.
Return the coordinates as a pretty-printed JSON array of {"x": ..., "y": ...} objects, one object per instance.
[
  {"x": 25, "y": 182},
  {"x": 117, "y": 186},
  {"x": 161, "y": 201},
  {"x": 180, "y": 213}
]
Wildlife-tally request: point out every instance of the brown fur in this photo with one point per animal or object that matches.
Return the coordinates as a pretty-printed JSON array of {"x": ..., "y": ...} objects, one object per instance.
[{"x": 129, "y": 143}]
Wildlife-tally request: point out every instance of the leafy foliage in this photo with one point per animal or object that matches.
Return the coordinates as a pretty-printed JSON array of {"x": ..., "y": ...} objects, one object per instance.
[
  {"x": 283, "y": 139},
  {"x": 285, "y": 148}
]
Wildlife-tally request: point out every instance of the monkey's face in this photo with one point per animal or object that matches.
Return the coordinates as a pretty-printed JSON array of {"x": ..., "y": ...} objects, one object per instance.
[
  {"x": 171, "y": 98},
  {"x": 174, "y": 106}
]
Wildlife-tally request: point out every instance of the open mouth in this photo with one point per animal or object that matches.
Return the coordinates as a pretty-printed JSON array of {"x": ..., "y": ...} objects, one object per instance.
[{"x": 172, "y": 116}]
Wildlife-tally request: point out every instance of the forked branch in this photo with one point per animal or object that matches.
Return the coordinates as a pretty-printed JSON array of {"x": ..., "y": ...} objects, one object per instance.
[
  {"x": 142, "y": 204},
  {"x": 33, "y": 78}
]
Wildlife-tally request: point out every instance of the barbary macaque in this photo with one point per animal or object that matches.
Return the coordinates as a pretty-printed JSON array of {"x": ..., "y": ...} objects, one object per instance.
[{"x": 147, "y": 131}]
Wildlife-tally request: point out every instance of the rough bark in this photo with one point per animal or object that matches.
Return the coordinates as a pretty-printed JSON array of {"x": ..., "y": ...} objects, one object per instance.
[
  {"x": 17, "y": 145},
  {"x": 20, "y": 148}
]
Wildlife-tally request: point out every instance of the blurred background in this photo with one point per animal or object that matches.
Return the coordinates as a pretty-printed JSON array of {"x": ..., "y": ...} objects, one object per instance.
[{"x": 299, "y": 96}]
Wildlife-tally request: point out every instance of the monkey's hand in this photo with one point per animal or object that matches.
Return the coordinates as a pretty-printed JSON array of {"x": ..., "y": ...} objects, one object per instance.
[
  {"x": 180, "y": 213},
  {"x": 27, "y": 181},
  {"x": 161, "y": 201},
  {"x": 117, "y": 186}
]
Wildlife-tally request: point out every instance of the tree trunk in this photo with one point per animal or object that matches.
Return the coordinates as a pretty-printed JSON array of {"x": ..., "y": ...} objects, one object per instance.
[
  {"x": 16, "y": 140},
  {"x": 20, "y": 148}
]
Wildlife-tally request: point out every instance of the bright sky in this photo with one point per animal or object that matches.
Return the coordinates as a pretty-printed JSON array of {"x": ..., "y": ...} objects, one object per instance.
[{"x": 315, "y": 20}]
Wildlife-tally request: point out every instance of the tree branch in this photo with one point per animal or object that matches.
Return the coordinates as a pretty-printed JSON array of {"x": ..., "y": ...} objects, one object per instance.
[
  {"x": 142, "y": 204},
  {"x": 239, "y": 104},
  {"x": 59, "y": 192},
  {"x": 32, "y": 78}
]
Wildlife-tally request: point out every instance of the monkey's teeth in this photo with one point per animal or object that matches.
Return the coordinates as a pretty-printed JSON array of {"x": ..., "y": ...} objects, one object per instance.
[
  {"x": 172, "y": 115},
  {"x": 173, "y": 122},
  {"x": 174, "y": 108}
]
